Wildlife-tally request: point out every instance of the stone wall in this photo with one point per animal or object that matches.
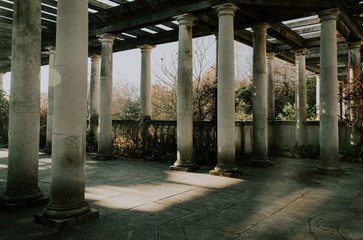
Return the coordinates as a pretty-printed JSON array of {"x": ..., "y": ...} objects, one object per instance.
[{"x": 281, "y": 133}]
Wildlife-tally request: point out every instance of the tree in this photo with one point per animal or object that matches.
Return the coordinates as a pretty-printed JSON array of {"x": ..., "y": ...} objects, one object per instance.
[
  {"x": 125, "y": 101},
  {"x": 4, "y": 116}
]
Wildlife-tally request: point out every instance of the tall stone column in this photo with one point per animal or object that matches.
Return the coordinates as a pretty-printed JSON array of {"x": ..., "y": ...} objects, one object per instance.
[
  {"x": 105, "y": 148},
  {"x": 270, "y": 86},
  {"x": 329, "y": 144},
  {"x": 67, "y": 201},
  {"x": 145, "y": 83},
  {"x": 260, "y": 127},
  {"x": 300, "y": 97},
  {"x": 354, "y": 72},
  {"x": 94, "y": 95},
  {"x": 22, "y": 180},
  {"x": 226, "y": 150},
  {"x": 184, "y": 161},
  {"x": 1, "y": 80},
  {"x": 317, "y": 96},
  {"x": 51, "y": 82}
]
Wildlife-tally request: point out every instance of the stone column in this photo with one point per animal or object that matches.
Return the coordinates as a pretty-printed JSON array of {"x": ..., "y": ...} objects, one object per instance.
[
  {"x": 300, "y": 97},
  {"x": 354, "y": 72},
  {"x": 67, "y": 200},
  {"x": 260, "y": 127},
  {"x": 226, "y": 150},
  {"x": 184, "y": 161},
  {"x": 145, "y": 83},
  {"x": 270, "y": 86},
  {"x": 94, "y": 95},
  {"x": 317, "y": 96},
  {"x": 51, "y": 82},
  {"x": 329, "y": 144},
  {"x": 1, "y": 80},
  {"x": 105, "y": 148},
  {"x": 22, "y": 179}
]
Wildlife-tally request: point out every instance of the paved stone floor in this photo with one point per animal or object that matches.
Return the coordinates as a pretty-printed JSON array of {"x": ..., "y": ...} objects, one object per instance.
[{"x": 144, "y": 200}]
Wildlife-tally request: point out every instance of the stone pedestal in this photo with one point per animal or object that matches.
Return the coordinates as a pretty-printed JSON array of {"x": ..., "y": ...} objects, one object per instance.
[
  {"x": 94, "y": 95},
  {"x": 105, "y": 148},
  {"x": 270, "y": 86},
  {"x": 51, "y": 82},
  {"x": 67, "y": 200},
  {"x": 226, "y": 143},
  {"x": 329, "y": 144},
  {"x": 22, "y": 179},
  {"x": 184, "y": 161},
  {"x": 300, "y": 97},
  {"x": 260, "y": 127}
]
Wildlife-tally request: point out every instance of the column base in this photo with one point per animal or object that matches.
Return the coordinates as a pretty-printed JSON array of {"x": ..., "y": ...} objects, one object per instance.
[
  {"x": 261, "y": 162},
  {"x": 184, "y": 169},
  {"x": 25, "y": 204},
  {"x": 331, "y": 171},
  {"x": 225, "y": 171},
  {"x": 47, "y": 150},
  {"x": 71, "y": 221},
  {"x": 23, "y": 200},
  {"x": 104, "y": 157}
]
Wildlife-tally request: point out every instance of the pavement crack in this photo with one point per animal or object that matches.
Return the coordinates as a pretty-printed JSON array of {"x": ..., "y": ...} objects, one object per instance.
[
  {"x": 350, "y": 203},
  {"x": 185, "y": 234}
]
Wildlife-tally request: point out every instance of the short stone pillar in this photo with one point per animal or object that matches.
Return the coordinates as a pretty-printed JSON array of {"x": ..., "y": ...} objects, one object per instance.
[
  {"x": 270, "y": 86},
  {"x": 329, "y": 144},
  {"x": 226, "y": 143},
  {"x": 67, "y": 201},
  {"x": 105, "y": 148},
  {"x": 22, "y": 179},
  {"x": 184, "y": 161},
  {"x": 1, "y": 80},
  {"x": 94, "y": 95},
  {"x": 50, "y": 102},
  {"x": 300, "y": 97},
  {"x": 260, "y": 127}
]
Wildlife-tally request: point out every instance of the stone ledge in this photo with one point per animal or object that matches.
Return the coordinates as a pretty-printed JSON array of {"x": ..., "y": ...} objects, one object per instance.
[
  {"x": 183, "y": 169},
  {"x": 226, "y": 174},
  {"x": 31, "y": 203},
  {"x": 59, "y": 223}
]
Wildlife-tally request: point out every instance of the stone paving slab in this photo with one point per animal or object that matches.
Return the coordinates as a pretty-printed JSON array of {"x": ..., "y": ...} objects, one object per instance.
[{"x": 145, "y": 200}]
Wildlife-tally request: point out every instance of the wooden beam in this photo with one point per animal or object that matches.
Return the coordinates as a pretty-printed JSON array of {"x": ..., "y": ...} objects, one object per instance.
[
  {"x": 285, "y": 35},
  {"x": 345, "y": 15},
  {"x": 140, "y": 20}
]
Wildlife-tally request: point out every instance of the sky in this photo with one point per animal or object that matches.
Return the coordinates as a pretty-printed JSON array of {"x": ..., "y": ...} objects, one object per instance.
[{"x": 126, "y": 65}]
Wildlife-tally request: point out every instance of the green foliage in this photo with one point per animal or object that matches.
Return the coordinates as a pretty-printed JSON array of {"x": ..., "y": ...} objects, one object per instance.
[
  {"x": 287, "y": 113},
  {"x": 305, "y": 151},
  {"x": 243, "y": 95},
  {"x": 131, "y": 110},
  {"x": 353, "y": 155}
]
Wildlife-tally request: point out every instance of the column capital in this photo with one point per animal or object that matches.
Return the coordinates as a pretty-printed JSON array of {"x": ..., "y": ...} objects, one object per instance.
[
  {"x": 51, "y": 49},
  {"x": 226, "y": 9},
  {"x": 260, "y": 27},
  {"x": 270, "y": 55},
  {"x": 185, "y": 19},
  {"x": 354, "y": 45},
  {"x": 106, "y": 38},
  {"x": 300, "y": 52},
  {"x": 95, "y": 57},
  {"x": 328, "y": 14},
  {"x": 146, "y": 47}
]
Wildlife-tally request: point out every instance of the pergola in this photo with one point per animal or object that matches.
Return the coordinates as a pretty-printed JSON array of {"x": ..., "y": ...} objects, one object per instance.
[
  {"x": 151, "y": 21},
  {"x": 318, "y": 35}
]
